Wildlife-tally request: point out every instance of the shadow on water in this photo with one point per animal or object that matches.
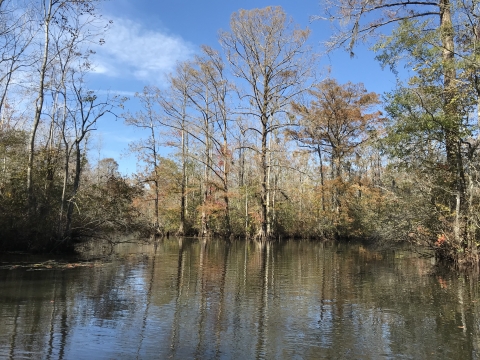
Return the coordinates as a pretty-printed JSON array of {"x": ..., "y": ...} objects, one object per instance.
[
  {"x": 149, "y": 298},
  {"x": 179, "y": 286},
  {"x": 198, "y": 298}
]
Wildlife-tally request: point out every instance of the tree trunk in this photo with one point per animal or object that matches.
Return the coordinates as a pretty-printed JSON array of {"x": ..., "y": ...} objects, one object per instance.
[
  {"x": 64, "y": 189},
  {"x": 322, "y": 177},
  {"x": 265, "y": 226},
  {"x": 452, "y": 128},
  {"x": 76, "y": 184},
  {"x": 38, "y": 109},
  {"x": 269, "y": 190},
  {"x": 182, "y": 228},
  {"x": 206, "y": 178},
  {"x": 155, "y": 171},
  {"x": 228, "y": 229}
]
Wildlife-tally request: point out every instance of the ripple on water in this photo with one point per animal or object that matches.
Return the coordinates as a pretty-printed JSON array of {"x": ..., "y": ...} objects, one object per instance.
[{"x": 286, "y": 300}]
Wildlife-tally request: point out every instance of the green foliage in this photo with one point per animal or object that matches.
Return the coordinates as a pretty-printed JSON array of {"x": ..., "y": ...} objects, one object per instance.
[
  {"x": 415, "y": 125},
  {"x": 413, "y": 45},
  {"x": 268, "y": 162},
  {"x": 108, "y": 206}
]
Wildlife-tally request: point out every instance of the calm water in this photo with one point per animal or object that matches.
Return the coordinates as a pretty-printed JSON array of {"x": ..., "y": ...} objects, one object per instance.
[{"x": 212, "y": 300}]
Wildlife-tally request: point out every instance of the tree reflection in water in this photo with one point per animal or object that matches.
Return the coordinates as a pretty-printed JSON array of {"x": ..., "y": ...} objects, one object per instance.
[{"x": 190, "y": 298}]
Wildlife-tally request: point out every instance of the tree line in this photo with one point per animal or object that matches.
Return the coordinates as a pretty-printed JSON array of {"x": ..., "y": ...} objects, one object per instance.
[
  {"x": 261, "y": 145},
  {"x": 248, "y": 130},
  {"x": 47, "y": 115}
]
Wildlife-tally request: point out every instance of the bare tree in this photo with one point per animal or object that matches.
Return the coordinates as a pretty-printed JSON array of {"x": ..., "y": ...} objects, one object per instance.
[
  {"x": 215, "y": 71},
  {"x": 269, "y": 54},
  {"x": 147, "y": 150},
  {"x": 59, "y": 19},
  {"x": 208, "y": 93},
  {"x": 196, "y": 108},
  {"x": 174, "y": 103},
  {"x": 16, "y": 35},
  {"x": 84, "y": 110}
]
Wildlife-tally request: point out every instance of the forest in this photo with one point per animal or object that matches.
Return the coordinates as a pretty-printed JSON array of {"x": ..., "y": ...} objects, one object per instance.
[{"x": 262, "y": 143}]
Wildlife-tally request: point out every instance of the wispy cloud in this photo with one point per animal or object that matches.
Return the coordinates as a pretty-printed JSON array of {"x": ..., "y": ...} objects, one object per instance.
[
  {"x": 131, "y": 50},
  {"x": 129, "y": 94}
]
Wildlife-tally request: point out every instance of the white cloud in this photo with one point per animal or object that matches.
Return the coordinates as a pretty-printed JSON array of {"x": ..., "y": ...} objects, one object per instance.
[
  {"x": 129, "y": 94},
  {"x": 131, "y": 50}
]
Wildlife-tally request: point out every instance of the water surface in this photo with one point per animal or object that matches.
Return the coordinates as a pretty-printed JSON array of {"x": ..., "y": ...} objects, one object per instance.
[{"x": 241, "y": 300}]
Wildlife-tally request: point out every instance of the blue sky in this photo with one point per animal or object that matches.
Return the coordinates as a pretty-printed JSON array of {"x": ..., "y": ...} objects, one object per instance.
[{"x": 148, "y": 37}]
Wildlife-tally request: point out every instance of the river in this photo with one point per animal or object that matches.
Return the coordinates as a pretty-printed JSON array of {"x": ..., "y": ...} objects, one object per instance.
[{"x": 190, "y": 298}]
